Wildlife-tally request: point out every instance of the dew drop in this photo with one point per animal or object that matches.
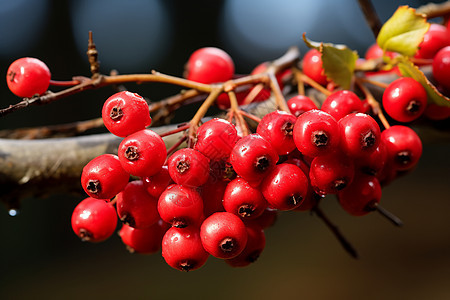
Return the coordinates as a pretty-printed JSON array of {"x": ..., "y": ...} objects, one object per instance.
[{"x": 13, "y": 212}]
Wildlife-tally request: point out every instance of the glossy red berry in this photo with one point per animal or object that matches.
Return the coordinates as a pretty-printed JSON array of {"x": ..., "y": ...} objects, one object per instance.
[
  {"x": 312, "y": 66},
  {"x": 361, "y": 196},
  {"x": 403, "y": 145},
  {"x": 103, "y": 177},
  {"x": 436, "y": 112},
  {"x": 181, "y": 206},
  {"x": 285, "y": 187},
  {"x": 441, "y": 67},
  {"x": 405, "y": 99},
  {"x": 216, "y": 138},
  {"x": 136, "y": 207},
  {"x": 277, "y": 127},
  {"x": 182, "y": 249},
  {"x": 341, "y": 103},
  {"x": 27, "y": 77},
  {"x": 156, "y": 184},
  {"x": 373, "y": 163},
  {"x": 316, "y": 133},
  {"x": 223, "y": 235},
  {"x": 265, "y": 220},
  {"x": 360, "y": 134},
  {"x": 299, "y": 104},
  {"x": 374, "y": 52},
  {"x": 188, "y": 167},
  {"x": 125, "y": 113},
  {"x": 331, "y": 173},
  {"x": 253, "y": 157},
  {"x": 94, "y": 220},
  {"x": 209, "y": 65},
  {"x": 434, "y": 39},
  {"x": 142, "y": 153},
  {"x": 144, "y": 241},
  {"x": 243, "y": 200},
  {"x": 256, "y": 243}
]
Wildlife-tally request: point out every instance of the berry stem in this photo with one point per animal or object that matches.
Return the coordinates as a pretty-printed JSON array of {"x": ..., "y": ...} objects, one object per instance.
[
  {"x": 313, "y": 83},
  {"x": 337, "y": 233},
  {"x": 375, "y": 83},
  {"x": 300, "y": 82},
  {"x": 236, "y": 112},
  {"x": 374, "y": 104},
  {"x": 181, "y": 127},
  {"x": 253, "y": 93},
  {"x": 175, "y": 146},
  {"x": 250, "y": 116},
  {"x": 64, "y": 83},
  {"x": 388, "y": 215}
]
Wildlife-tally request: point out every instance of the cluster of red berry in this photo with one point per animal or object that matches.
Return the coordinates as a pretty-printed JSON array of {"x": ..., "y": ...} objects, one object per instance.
[{"x": 218, "y": 196}]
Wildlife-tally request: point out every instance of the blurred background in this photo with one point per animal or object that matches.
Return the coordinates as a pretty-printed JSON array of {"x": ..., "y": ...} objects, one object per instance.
[{"x": 40, "y": 257}]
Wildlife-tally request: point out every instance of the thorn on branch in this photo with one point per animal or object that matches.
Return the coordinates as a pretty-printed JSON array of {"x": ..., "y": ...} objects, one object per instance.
[{"x": 92, "y": 54}]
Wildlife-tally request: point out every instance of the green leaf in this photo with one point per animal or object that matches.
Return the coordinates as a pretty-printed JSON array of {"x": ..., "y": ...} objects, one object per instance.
[
  {"x": 408, "y": 69},
  {"x": 338, "y": 61},
  {"x": 403, "y": 32}
]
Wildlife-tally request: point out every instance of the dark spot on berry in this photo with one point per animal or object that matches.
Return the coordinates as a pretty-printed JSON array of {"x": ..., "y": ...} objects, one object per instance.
[
  {"x": 186, "y": 265},
  {"x": 340, "y": 184},
  {"x": 294, "y": 199},
  {"x": 287, "y": 128},
  {"x": 413, "y": 107},
  {"x": 85, "y": 235},
  {"x": 179, "y": 223},
  {"x": 368, "y": 171},
  {"x": 11, "y": 75},
  {"x": 131, "y": 153},
  {"x": 183, "y": 166},
  {"x": 371, "y": 206},
  {"x": 128, "y": 219},
  {"x": 93, "y": 186},
  {"x": 403, "y": 158},
  {"x": 116, "y": 113},
  {"x": 227, "y": 244},
  {"x": 262, "y": 163},
  {"x": 246, "y": 210},
  {"x": 320, "y": 138},
  {"x": 368, "y": 140}
]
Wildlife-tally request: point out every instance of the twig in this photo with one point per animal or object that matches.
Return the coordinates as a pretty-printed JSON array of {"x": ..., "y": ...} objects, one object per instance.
[
  {"x": 337, "y": 233},
  {"x": 374, "y": 104},
  {"x": 371, "y": 16}
]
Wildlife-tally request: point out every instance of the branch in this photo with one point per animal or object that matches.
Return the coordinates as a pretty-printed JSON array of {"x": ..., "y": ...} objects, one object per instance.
[{"x": 371, "y": 16}]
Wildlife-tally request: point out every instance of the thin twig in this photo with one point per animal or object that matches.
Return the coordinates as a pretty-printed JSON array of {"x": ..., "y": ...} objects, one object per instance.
[{"x": 371, "y": 16}]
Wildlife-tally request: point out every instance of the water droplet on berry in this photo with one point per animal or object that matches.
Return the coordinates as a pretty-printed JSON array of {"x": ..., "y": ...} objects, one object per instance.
[{"x": 13, "y": 212}]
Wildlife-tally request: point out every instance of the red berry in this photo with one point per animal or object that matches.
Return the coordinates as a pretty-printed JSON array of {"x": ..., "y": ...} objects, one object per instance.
[
  {"x": 341, "y": 103},
  {"x": 434, "y": 39},
  {"x": 103, "y": 177},
  {"x": 143, "y": 241},
  {"x": 182, "y": 249},
  {"x": 373, "y": 163},
  {"x": 316, "y": 133},
  {"x": 125, "y": 113},
  {"x": 276, "y": 127},
  {"x": 285, "y": 187},
  {"x": 404, "y": 147},
  {"x": 299, "y": 104},
  {"x": 361, "y": 196},
  {"x": 243, "y": 200},
  {"x": 156, "y": 184},
  {"x": 136, "y": 207},
  {"x": 441, "y": 67},
  {"x": 180, "y": 206},
  {"x": 216, "y": 138},
  {"x": 331, "y": 173},
  {"x": 374, "y": 52},
  {"x": 94, "y": 220},
  {"x": 209, "y": 65},
  {"x": 27, "y": 77},
  {"x": 266, "y": 220},
  {"x": 255, "y": 245},
  {"x": 142, "y": 153},
  {"x": 360, "y": 134},
  {"x": 253, "y": 157},
  {"x": 223, "y": 235},
  {"x": 188, "y": 167},
  {"x": 405, "y": 99},
  {"x": 312, "y": 66},
  {"x": 436, "y": 112}
]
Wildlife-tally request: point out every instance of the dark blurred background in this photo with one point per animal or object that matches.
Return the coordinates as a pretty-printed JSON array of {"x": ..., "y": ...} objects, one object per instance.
[{"x": 40, "y": 257}]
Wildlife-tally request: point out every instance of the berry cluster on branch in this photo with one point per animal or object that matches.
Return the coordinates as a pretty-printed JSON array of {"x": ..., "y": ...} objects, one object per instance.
[{"x": 222, "y": 183}]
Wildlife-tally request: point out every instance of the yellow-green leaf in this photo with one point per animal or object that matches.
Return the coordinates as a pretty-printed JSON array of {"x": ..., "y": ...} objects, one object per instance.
[
  {"x": 408, "y": 69},
  {"x": 338, "y": 61},
  {"x": 403, "y": 32}
]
